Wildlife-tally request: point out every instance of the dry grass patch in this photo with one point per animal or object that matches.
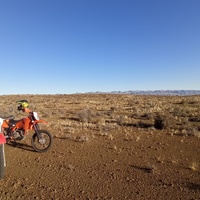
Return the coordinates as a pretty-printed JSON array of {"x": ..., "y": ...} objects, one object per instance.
[{"x": 194, "y": 166}]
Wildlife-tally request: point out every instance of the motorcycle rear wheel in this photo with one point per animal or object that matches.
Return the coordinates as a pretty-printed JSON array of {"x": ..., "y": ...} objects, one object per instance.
[
  {"x": 44, "y": 143},
  {"x": 2, "y": 162}
]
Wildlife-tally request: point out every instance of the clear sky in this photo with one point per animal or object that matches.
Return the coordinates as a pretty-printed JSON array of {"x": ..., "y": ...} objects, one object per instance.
[{"x": 69, "y": 46}]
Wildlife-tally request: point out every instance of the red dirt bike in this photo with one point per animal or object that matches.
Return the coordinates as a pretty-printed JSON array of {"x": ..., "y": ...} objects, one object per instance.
[
  {"x": 2, "y": 153},
  {"x": 18, "y": 129}
]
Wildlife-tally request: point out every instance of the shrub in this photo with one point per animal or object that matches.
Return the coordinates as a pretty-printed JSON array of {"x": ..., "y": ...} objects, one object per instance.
[{"x": 159, "y": 123}]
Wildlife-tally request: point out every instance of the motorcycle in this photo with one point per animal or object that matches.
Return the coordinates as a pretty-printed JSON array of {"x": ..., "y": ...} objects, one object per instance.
[
  {"x": 2, "y": 153},
  {"x": 18, "y": 129}
]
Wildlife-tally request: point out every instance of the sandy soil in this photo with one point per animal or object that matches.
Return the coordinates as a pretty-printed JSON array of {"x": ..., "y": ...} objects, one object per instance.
[{"x": 125, "y": 163}]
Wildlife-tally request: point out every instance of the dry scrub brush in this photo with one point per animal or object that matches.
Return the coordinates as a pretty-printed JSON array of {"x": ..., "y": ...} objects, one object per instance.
[{"x": 104, "y": 112}]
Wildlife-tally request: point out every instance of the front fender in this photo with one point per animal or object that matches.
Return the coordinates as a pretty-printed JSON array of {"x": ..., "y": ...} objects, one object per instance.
[
  {"x": 40, "y": 121},
  {"x": 2, "y": 138}
]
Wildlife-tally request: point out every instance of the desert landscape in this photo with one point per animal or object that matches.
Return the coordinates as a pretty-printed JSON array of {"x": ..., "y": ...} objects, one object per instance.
[{"x": 107, "y": 147}]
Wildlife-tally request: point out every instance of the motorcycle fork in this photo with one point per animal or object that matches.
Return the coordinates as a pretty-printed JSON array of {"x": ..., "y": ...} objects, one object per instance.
[{"x": 37, "y": 131}]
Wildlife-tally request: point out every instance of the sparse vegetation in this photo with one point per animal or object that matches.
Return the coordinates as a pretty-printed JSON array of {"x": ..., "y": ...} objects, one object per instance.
[{"x": 179, "y": 115}]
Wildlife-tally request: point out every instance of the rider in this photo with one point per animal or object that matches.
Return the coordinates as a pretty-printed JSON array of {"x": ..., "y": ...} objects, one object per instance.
[{"x": 24, "y": 107}]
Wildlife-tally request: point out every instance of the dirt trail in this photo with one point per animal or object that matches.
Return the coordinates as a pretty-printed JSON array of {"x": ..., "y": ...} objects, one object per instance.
[{"x": 152, "y": 165}]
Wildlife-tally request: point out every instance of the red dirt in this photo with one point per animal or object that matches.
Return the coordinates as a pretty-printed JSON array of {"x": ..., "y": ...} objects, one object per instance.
[{"x": 153, "y": 166}]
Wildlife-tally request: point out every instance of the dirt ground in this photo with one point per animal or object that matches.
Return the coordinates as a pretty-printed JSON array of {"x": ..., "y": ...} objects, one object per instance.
[{"x": 101, "y": 160}]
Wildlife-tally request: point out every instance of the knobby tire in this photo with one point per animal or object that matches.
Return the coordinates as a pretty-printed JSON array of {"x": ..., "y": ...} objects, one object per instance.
[{"x": 42, "y": 147}]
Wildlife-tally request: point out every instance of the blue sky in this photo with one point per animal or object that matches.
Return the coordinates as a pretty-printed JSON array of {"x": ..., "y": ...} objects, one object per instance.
[{"x": 69, "y": 46}]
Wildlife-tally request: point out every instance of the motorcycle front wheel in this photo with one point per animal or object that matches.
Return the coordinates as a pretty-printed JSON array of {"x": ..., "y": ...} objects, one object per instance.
[
  {"x": 2, "y": 161},
  {"x": 43, "y": 143}
]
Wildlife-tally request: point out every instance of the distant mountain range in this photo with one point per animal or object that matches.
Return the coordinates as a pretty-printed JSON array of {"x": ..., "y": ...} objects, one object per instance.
[{"x": 155, "y": 92}]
